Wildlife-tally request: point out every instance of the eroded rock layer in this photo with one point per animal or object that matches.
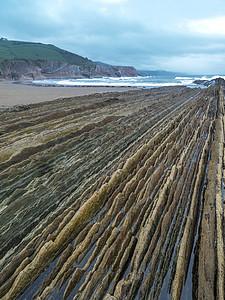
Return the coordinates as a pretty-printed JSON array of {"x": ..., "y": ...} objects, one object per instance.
[{"x": 114, "y": 196}]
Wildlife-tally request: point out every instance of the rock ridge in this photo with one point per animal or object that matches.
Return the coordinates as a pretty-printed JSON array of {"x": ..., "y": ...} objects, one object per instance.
[{"x": 114, "y": 196}]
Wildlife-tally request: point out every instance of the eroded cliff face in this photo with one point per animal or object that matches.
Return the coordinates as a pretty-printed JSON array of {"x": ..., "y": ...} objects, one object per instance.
[{"x": 27, "y": 69}]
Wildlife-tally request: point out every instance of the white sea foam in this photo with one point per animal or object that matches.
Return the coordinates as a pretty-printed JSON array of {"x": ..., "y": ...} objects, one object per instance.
[
  {"x": 214, "y": 77},
  {"x": 139, "y": 82}
]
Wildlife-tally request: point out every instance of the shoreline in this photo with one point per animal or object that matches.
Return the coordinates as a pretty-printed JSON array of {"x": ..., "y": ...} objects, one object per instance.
[{"x": 26, "y": 92}]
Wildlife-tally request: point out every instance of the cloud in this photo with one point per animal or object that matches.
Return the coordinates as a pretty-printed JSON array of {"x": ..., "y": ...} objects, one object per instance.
[
  {"x": 195, "y": 63},
  {"x": 111, "y": 1},
  {"x": 208, "y": 26},
  {"x": 145, "y": 34}
]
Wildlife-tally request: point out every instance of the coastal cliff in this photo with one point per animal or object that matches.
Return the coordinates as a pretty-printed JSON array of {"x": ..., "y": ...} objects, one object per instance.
[
  {"x": 27, "y": 60},
  {"x": 28, "y": 69}
]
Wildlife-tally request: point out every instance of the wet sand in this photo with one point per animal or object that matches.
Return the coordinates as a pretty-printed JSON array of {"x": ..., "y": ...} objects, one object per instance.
[{"x": 16, "y": 94}]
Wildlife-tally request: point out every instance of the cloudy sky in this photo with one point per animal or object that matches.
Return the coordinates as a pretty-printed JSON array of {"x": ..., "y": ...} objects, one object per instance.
[{"x": 175, "y": 35}]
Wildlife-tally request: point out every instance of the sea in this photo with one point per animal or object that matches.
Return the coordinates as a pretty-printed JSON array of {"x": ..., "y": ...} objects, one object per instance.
[{"x": 138, "y": 82}]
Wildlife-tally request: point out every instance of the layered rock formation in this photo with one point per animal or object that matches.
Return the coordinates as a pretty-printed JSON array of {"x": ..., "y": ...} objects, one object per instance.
[
  {"x": 29, "y": 69},
  {"x": 214, "y": 82},
  {"x": 114, "y": 196}
]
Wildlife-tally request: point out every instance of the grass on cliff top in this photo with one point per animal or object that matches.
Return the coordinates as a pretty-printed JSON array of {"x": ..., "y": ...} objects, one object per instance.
[{"x": 14, "y": 50}]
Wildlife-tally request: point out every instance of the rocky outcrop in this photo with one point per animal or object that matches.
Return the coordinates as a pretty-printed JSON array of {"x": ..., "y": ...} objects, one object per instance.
[
  {"x": 114, "y": 71},
  {"x": 114, "y": 196},
  {"x": 214, "y": 82},
  {"x": 28, "y": 69}
]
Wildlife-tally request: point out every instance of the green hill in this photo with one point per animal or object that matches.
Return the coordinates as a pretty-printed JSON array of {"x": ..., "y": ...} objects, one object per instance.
[{"x": 14, "y": 50}]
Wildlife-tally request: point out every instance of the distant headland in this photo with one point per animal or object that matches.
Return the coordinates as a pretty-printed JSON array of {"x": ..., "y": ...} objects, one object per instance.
[{"x": 28, "y": 60}]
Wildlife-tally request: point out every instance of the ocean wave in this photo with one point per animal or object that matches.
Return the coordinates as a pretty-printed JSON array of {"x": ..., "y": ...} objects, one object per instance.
[
  {"x": 187, "y": 82},
  {"x": 140, "y": 82},
  {"x": 184, "y": 78},
  {"x": 213, "y": 77},
  {"x": 119, "y": 84}
]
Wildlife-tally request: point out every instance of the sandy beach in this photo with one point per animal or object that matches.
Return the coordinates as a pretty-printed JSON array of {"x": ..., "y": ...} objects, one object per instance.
[{"x": 15, "y": 94}]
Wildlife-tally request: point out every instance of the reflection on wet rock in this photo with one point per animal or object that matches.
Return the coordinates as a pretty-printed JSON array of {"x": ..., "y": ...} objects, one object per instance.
[{"x": 114, "y": 196}]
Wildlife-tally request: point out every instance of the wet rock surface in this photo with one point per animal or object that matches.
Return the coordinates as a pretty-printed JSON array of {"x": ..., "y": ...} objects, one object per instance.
[
  {"x": 214, "y": 82},
  {"x": 114, "y": 196}
]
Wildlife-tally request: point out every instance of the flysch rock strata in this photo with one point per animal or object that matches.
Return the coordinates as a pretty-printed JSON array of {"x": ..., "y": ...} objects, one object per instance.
[{"x": 114, "y": 196}]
